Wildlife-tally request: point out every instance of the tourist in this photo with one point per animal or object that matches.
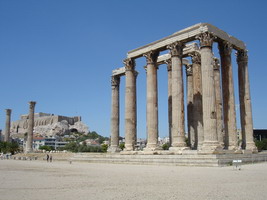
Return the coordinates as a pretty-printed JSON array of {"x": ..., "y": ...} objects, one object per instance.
[
  {"x": 50, "y": 158},
  {"x": 47, "y": 157}
]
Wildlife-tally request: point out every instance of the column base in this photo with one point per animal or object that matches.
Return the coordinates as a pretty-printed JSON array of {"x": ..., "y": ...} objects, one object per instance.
[
  {"x": 244, "y": 151},
  {"x": 252, "y": 147},
  {"x": 210, "y": 148},
  {"x": 128, "y": 147},
  {"x": 152, "y": 147},
  {"x": 233, "y": 148},
  {"x": 199, "y": 146},
  {"x": 178, "y": 150},
  {"x": 113, "y": 149},
  {"x": 30, "y": 150}
]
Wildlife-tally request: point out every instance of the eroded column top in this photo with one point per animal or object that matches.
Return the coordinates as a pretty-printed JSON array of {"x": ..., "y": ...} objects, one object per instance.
[
  {"x": 32, "y": 104},
  {"x": 8, "y": 111}
]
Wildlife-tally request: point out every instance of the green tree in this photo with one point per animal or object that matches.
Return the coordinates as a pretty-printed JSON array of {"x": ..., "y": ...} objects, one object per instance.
[
  {"x": 104, "y": 147},
  {"x": 47, "y": 148},
  {"x": 72, "y": 146},
  {"x": 9, "y": 147},
  {"x": 166, "y": 146},
  {"x": 261, "y": 145},
  {"x": 122, "y": 146}
]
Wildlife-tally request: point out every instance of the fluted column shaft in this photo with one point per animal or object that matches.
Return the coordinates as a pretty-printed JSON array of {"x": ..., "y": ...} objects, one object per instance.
[
  {"x": 217, "y": 82},
  {"x": 30, "y": 127},
  {"x": 7, "y": 128},
  {"x": 229, "y": 112},
  {"x": 189, "y": 88},
  {"x": 245, "y": 102},
  {"x": 169, "y": 69},
  {"x": 152, "y": 100},
  {"x": 130, "y": 105},
  {"x": 208, "y": 90},
  {"x": 197, "y": 101},
  {"x": 178, "y": 134},
  {"x": 115, "y": 114}
]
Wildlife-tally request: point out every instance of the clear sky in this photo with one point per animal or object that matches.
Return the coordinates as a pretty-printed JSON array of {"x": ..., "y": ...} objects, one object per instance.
[{"x": 60, "y": 53}]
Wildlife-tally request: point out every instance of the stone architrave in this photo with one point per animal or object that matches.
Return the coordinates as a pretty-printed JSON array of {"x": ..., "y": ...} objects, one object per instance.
[
  {"x": 189, "y": 87},
  {"x": 210, "y": 143},
  {"x": 30, "y": 127},
  {"x": 229, "y": 112},
  {"x": 115, "y": 114},
  {"x": 7, "y": 128},
  {"x": 178, "y": 133},
  {"x": 197, "y": 101},
  {"x": 130, "y": 104},
  {"x": 169, "y": 69},
  {"x": 217, "y": 82},
  {"x": 152, "y": 101},
  {"x": 245, "y": 102}
]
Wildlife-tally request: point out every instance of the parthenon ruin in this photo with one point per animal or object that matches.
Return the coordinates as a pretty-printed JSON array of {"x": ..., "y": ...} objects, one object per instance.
[{"x": 211, "y": 114}]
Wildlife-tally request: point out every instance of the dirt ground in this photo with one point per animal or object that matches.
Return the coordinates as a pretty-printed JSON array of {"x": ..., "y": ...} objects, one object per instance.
[{"x": 39, "y": 180}]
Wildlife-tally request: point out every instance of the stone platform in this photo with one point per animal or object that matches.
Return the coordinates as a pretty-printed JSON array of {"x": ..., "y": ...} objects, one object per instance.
[{"x": 193, "y": 159}]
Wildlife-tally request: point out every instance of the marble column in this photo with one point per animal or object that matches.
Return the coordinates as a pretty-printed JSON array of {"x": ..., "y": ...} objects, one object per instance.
[
  {"x": 29, "y": 148},
  {"x": 178, "y": 134},
  {"x": 245, "y": 102},
  {"x": 169, "y": 69},
  {"x": 189, "y": 88},
  {"x": 130, "y": 104},
  {"x": 152, "y": 101},
  {"x": 197, "y": 101},
  {"x": 210, "y": 143},
  {"x": 219, "y": 113},
  {"x": 115, "y": 114},
  {"x": 229, "y": 113},
  {"x": 7, "y": 128}
]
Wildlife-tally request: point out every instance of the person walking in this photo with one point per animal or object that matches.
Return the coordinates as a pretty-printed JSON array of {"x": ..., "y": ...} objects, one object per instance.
[{"x": 47, "y": 157}]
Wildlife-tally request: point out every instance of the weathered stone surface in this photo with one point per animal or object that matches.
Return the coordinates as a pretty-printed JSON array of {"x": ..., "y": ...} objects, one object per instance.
[
  {"x": 49, "y": 125},
  {"x": 152, "y": 101},
  {"x": 178, "y": 133},
  {"x": 8, "y": 121},
  {"x": 61, "y": 128},
  {"x": 40, "y": 119},
  {"x": 187, "y": 35},
  {"x": 204, "y": 92},
  {"x": 80, "y": 127},
  {"x": 30, "y": 127},
  {"x": 210, "y": 143},
  {"x": 130, "y": 104}
]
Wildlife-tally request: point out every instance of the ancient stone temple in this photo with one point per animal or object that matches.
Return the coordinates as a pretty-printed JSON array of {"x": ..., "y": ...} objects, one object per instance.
[
  {"x": 211, "y": 113},
  {"x": 49, "y": 125}
]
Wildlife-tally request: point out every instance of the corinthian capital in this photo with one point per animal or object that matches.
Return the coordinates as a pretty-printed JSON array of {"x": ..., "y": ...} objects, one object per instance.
[
  {"x": 205, "y": 39},
  {"x": 151, "y": 57},
  {"x": 196, "y": 58},
  {"x": 129, "y": 64},
  {"x": 242, "y": 56},
  {"x": 225, "y": 48},
  {"x": 115, "y": 81},
  {"x": 176, "y": 49}
]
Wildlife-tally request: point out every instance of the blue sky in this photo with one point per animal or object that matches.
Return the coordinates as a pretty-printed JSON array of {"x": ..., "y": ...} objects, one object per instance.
[{"x": 60, "y": 53}]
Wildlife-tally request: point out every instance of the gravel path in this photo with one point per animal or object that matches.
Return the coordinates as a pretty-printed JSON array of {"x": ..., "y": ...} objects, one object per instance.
[{"x": 39, "y": 180}]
